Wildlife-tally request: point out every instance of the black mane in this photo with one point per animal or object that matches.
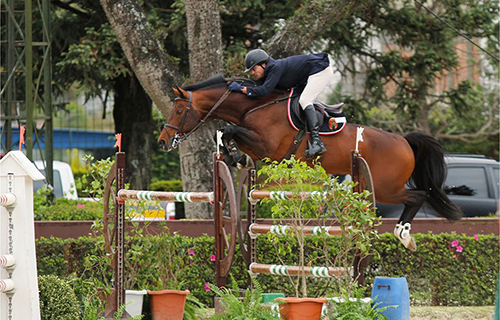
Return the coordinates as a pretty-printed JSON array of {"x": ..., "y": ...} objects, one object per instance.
[{"x": 218, "y": 81}]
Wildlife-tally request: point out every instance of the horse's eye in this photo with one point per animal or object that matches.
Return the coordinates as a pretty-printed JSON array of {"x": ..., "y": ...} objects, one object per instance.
[{"x": 179, "y": 111}]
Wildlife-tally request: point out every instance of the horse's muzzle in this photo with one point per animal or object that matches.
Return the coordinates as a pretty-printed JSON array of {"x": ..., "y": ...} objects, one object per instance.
[{"x": 174, "y": 143}]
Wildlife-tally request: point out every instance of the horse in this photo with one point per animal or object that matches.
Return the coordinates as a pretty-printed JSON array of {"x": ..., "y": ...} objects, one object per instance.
[{"x": 261, "y": 130}]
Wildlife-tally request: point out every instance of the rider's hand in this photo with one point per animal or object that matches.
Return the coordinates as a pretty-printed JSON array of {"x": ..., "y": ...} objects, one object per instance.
[{"x": 235, "y": 86}]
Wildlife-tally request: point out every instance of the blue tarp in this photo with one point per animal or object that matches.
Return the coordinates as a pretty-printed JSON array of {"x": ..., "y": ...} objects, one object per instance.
[{"x": 70, "y": 139}]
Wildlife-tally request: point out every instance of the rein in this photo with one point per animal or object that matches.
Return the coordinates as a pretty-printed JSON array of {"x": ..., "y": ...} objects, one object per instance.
[
  {"x": 263, "y": 106},
  {"x": 180, "y": 135}
]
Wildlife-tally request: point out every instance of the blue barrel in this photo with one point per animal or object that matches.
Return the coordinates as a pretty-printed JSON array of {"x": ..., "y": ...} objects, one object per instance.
[{"x": 392, "y": 293}]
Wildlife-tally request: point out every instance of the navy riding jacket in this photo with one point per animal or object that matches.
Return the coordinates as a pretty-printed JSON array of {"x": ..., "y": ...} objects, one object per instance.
[{"x": 289, "y": 73}]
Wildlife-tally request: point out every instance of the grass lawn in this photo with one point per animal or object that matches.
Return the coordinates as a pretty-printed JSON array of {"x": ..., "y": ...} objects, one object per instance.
[
  {"x": 434, "y": 313},
  {"x": 455, "y": 313}
]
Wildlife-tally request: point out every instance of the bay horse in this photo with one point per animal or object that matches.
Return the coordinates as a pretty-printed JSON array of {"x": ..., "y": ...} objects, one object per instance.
[{"x": 261, "y": 129}]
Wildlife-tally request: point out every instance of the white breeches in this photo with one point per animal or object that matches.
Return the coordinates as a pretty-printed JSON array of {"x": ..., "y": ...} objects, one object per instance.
[{"x": 315, "y": 85}]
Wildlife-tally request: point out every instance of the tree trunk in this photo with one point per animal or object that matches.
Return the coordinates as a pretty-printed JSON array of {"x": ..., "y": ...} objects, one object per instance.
[
  {"x": 133, "y": 118},
  {"x": 154, "y": 69},
  {"x": 205, "y": 60}
]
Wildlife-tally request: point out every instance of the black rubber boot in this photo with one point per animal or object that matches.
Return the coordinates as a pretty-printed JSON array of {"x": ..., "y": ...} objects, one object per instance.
[{"x": 316, "y": 147}]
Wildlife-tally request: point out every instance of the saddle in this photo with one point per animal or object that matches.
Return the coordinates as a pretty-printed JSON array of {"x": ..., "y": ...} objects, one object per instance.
[{"x": 331, "y": 119}]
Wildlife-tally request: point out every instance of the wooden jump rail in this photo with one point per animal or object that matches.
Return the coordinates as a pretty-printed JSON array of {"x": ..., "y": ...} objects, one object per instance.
[
  {"x": 166, "y": 196},
  {"x": 282, "y": 270},
  {"x": 256, "y": 195},
  {"x": 223, "y": 196},
  {"x": 360, "y": 173},
  {"x": 255, "y": 229}
]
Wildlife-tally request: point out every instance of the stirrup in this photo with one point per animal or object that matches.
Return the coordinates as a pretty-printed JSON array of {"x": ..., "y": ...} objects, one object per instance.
[
  {"x": 310, "y": 146},
  {"x": 402, "y": 232}
]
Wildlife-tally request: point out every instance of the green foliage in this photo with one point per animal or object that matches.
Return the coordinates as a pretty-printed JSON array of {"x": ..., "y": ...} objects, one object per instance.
[
  {"x": 167, "y": 185},
  {"x": 88, "y": 296},
  {"x": 57, "y": 299},
  {"x": 94, "y": 179},
  {"x": 67, "y": 209},
  {"x": 42, "y": 197},
  {"x": 443, "y": 273},
  {"x": 95, "y": 60},
  {"x": 357, "y": 310},
  {"x": 241, "y": 308},
  {"x": 353, "y": 211},
  {"x": 437, "y": 274}
]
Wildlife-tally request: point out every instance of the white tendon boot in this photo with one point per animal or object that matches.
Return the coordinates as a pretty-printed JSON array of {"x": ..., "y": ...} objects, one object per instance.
[{"x": 402, "y": 232}]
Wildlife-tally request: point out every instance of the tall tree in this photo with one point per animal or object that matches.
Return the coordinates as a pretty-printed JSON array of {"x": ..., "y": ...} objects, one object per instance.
[{"x": 156, "y": 72}]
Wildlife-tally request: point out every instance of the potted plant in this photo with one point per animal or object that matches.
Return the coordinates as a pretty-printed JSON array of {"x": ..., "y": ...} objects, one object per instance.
[
  {"x": 168, "y": 298},
  {"x": 333, "y": 199}
]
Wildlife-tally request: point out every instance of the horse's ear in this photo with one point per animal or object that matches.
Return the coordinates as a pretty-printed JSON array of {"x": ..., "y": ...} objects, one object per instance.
[
  {"x": 184, "y": 93},
  {"x": 179, "y": 92}
]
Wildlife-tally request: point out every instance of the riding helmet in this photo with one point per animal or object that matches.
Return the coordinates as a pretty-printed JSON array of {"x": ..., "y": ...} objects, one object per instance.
[{"x": 254, "y": 57}]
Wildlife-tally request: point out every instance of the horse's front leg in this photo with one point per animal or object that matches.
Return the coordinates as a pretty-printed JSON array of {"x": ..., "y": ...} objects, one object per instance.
[{"x": 236, "y": 138}]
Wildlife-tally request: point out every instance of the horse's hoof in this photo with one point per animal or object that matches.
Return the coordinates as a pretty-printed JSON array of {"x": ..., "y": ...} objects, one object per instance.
[
  {"x": 412, "y": 245},
  {"x": 409, "y": 243}
]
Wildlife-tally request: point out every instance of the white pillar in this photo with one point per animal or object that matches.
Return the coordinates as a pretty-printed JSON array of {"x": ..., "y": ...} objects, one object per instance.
[{"x": 18, "y": 273}]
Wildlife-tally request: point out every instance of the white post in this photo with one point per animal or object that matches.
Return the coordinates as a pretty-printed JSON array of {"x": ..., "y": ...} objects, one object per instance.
[{"x": 18, "y": 273}]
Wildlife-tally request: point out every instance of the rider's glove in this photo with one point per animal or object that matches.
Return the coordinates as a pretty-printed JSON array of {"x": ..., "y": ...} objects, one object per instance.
[{"x": 235, "y": 86}]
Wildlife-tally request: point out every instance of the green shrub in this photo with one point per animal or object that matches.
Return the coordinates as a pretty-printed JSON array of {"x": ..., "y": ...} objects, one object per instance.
[
  {"x": 57, "y": 299},
  {"x": 66, "y": 209},
  {"x": 167, "y": 185},
  {"x": 437, "y": 274}
]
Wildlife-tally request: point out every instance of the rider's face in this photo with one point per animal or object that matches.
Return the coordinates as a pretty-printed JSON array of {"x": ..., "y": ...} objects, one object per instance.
[{"x": 257, "y": 71}]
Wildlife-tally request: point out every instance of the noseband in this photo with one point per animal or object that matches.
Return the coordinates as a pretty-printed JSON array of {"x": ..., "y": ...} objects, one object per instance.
[{"x": 180, "y": 135}]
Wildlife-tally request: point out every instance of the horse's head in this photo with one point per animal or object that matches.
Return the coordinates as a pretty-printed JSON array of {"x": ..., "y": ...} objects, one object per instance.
[{"x": 184, "y": 119}]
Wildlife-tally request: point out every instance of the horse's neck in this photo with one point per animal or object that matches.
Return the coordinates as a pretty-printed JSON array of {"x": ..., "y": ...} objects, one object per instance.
[{"x": 236, "y": 106}]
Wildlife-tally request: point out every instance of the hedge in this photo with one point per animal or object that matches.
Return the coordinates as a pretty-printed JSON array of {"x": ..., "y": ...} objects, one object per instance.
[
  {"x": 447, "y": 269},
  {"x": 66, "y": 209}
]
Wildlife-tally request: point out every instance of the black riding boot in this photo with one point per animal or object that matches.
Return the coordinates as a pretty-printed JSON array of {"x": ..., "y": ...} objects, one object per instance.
[{"x": 316, "y": 147}]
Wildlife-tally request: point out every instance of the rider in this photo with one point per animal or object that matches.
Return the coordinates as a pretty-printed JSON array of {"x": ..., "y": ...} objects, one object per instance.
[{"x": 311, "y": 72}]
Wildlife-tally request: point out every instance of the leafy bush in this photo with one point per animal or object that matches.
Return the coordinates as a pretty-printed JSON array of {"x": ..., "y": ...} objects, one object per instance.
[
  {"x": 353, "y": 308},
  {"x": 246, "y": 307},
  {"x": 57, "y": 299},
  {"x": 437, "y": 273},
  {"x": 167, "y": 185},
  {"x": 66, "y": 209}
]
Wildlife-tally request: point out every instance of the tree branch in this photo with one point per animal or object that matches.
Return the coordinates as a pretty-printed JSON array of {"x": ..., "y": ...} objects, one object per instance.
[
  {"x": 66, "y": 6},
  {"x": 307, "y": 24}
]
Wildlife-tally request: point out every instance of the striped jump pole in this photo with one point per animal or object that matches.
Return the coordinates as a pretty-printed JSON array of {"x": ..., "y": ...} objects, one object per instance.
[
  {"x": 282, "y": 270},
  {"x": 166, "y": 196},
  {"x": 256, "y": 195},
  {"x": 7, "y": 199},
  {"x": 256, "y": 229}
]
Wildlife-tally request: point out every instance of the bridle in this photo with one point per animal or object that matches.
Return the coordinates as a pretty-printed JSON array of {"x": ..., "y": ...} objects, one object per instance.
[{"x": 180, "y": 135}]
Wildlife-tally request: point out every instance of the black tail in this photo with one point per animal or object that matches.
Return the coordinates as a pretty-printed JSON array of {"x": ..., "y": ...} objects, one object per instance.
[{"x": 430, "y": 174}]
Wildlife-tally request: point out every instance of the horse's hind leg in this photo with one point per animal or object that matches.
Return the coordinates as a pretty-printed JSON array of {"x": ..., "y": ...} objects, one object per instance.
[{"x": 412, "y": 204}]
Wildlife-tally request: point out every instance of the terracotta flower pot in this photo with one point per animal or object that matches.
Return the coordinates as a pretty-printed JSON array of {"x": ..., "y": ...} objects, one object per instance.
[
  {"x": 301, "y": 308},
  {"x": 167, "y": 304}
]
